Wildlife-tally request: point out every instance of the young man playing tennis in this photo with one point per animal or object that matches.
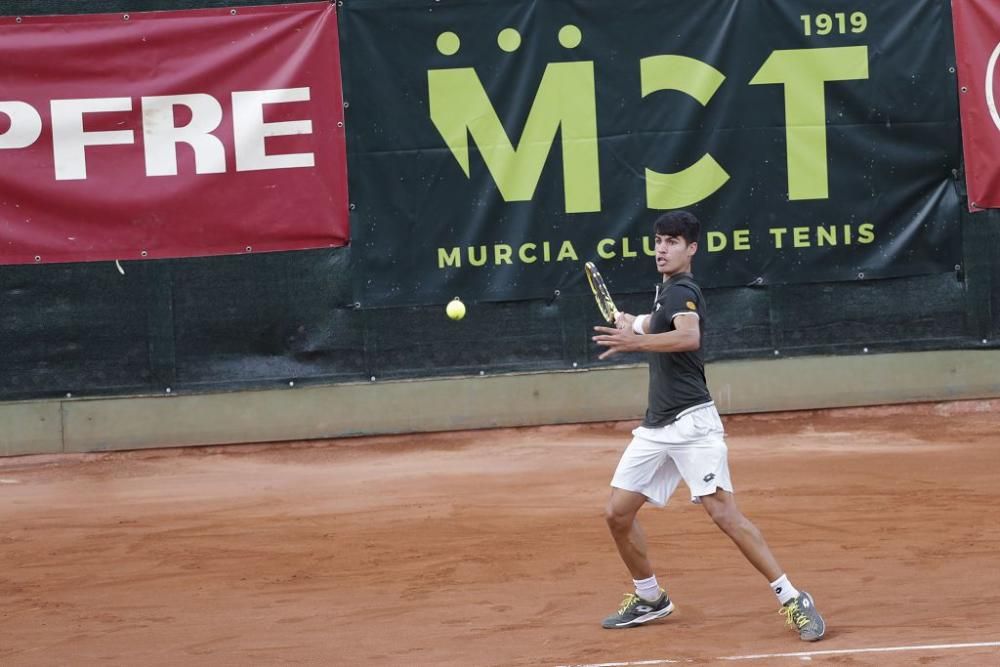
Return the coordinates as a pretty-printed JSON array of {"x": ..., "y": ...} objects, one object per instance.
[{"x": 681, "y": 437}]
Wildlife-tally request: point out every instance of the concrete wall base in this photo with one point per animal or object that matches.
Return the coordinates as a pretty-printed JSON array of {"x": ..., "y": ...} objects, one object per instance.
[{"x": 443, "y": 404}]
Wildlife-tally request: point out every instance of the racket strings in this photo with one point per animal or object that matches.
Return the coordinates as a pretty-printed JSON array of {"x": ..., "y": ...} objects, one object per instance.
[{"x": 601, "y": 294}]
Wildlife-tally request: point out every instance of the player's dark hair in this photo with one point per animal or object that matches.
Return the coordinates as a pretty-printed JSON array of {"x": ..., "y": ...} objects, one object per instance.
[{"x": 678, "y": 223}]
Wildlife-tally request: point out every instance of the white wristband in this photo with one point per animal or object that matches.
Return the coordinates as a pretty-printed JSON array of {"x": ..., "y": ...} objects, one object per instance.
[{"x": 637, "y": 324}]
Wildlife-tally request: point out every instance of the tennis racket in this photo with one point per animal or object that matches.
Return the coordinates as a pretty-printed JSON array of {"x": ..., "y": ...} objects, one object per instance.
[{"x": 604, "y": 302}]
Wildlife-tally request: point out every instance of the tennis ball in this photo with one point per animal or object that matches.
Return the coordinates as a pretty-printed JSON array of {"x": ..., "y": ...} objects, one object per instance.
[{"x": 455, "y": 309}]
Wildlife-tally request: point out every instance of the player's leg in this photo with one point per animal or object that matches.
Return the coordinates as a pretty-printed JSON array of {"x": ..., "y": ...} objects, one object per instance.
[
  {"x": 649, "y": 602},
  {"x": 797, "y": 607},
  {"x": 721, "y": 506},
  {"x": 701, "y": 456},
  {"x": 703, "y": 461},
  {"x": 644, "y": 474},
  {"x": 620, "y": 515}
]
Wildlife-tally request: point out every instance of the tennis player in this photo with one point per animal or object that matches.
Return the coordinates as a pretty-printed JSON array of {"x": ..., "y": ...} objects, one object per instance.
[{"x": 681, "y": 437}]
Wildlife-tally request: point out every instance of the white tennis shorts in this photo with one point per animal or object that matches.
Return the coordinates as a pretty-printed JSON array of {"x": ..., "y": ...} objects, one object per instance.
[{"x": 692, "y": 448}]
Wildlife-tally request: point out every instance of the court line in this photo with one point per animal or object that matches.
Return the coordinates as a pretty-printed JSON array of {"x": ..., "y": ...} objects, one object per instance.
[
  {"x": 627, "y": 664},
  {"x": 801, "y": 654},
  {"x": 883, "y": 649}
]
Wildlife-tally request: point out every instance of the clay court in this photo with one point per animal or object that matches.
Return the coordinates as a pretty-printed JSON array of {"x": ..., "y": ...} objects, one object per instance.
[{"x": 489, "y": 548}]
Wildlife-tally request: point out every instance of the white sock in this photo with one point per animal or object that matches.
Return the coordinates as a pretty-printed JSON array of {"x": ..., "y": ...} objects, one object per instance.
[
  {"x": 647, "y": 589},
  {"x": 784, "y": 589}
]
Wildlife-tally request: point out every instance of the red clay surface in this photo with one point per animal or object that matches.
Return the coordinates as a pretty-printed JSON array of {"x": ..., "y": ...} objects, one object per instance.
[{"x": 489, "y": 548}]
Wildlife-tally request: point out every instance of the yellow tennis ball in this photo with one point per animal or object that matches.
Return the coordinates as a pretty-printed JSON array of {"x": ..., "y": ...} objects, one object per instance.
[{"x": 455, "y": 309}]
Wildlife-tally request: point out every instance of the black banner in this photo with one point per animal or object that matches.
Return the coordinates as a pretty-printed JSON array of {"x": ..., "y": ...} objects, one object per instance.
[{"x": 495, "y": 147}]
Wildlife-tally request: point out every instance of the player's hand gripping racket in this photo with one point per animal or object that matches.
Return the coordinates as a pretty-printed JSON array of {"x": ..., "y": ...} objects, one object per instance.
[{"x": 604, "y": 302}]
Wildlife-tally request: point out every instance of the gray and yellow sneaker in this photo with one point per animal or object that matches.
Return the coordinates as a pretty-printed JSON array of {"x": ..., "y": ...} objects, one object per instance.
[
  {"x": 636, "y": 611},
  {"x": 801, "y": 615}
]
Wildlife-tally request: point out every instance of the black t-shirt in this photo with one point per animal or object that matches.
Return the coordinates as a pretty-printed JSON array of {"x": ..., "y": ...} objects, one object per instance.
[{"x": 676, "y": 379}]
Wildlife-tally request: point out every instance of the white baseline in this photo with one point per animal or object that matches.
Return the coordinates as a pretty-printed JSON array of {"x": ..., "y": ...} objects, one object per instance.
[{"x": 801, "y": 654}]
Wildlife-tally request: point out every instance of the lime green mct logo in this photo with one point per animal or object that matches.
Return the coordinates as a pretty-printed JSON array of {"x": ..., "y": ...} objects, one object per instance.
[
  {"x": 700, "y": 81},
  {"x": 566, "y": 103},
  {"x": 804, "y": 73}
]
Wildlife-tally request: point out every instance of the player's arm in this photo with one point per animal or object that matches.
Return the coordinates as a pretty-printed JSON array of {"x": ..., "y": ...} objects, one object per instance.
[{"x": 686, "y": 337}]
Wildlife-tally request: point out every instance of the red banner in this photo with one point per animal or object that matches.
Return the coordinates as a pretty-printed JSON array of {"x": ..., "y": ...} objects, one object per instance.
[
  {"x": 171, "y": 134},
  {"x": 977, "y": 46}
]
